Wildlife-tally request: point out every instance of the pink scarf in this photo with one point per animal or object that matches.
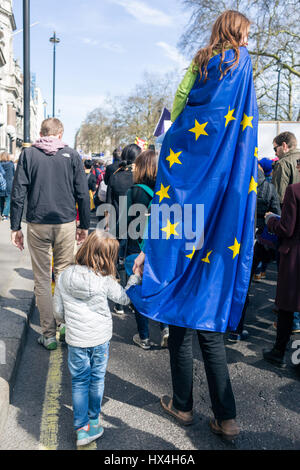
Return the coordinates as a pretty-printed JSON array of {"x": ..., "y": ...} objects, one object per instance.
[{"x": 49, "y": 144}]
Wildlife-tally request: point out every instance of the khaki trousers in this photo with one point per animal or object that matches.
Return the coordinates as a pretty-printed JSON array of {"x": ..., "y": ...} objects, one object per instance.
[{"x": 43, "y": 241}]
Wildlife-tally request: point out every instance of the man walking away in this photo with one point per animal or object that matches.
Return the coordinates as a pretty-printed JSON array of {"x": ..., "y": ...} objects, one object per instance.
[{"x": 51, "y": 176}]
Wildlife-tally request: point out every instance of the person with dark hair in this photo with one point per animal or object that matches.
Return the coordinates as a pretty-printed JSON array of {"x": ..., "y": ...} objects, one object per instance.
[
  {"x": 118, "y": 185},
  {"x": 117, "y": 154},
  {"x": 285, "y": 170},
  {"x": 144, "y": 177},
  {"x": 91, "y": 178},
  {"x": 122, "y": 178},
  {"x": 110, "y": 169}
]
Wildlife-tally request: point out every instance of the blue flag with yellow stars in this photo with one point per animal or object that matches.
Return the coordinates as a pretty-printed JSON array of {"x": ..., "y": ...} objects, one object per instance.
[{"x": 201, "y": 230}]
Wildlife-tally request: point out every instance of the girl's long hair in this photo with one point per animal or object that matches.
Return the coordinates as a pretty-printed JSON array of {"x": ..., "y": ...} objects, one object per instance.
[
  {"x": 99, "y": 252},
  {"x": 145, "y": 169},
  {"x": 228, "y": 32}
]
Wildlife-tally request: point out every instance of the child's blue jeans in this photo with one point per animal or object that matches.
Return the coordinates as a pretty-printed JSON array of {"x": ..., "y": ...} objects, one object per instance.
[{"x": 87, "y": 367}]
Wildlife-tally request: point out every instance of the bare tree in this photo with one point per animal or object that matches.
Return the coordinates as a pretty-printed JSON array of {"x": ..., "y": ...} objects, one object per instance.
[
  {"x": 273, "y": 44},
  {"x": 94, "y": 132},
  {"x": 123, "y": 118},
  {"x": 138, "y": 113}
]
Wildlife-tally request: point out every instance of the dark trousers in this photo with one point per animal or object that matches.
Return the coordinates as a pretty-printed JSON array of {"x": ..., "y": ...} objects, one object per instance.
[
  {"x": 262, "y": 254},
  {"x": 142, "y": 324},
  {"x": 284, "y": 330},
  {"x": 215, "y": 363}
]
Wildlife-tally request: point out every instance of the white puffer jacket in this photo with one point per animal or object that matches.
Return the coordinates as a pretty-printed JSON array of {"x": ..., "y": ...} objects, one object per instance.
[{"x": 81, "y": 302}]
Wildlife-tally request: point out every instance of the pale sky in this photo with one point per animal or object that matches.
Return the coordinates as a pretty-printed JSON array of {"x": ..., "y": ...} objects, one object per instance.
[{"x": 106, "y": 46}]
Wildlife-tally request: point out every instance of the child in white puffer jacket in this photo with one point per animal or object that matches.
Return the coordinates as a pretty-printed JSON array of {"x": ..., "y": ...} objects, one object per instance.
[{"x": 81, "y": 302}]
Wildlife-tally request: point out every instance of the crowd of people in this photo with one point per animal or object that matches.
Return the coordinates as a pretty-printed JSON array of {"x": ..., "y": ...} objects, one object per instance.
[{"x": 62, "y": 191}]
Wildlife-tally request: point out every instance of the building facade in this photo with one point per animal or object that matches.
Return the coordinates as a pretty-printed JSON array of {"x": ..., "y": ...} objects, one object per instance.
[
  {"x": 10, "y": 84},
  {"x": 11, "y": 90}
]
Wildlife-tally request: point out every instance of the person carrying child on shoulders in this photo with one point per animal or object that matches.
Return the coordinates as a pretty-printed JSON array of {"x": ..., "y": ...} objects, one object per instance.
[{"x": 81, "y": 301}]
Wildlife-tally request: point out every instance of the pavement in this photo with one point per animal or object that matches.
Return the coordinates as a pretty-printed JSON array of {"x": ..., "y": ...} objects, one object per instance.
[
  {"x": 267, "y": 398},
  {"x": 16, "y": 305}
]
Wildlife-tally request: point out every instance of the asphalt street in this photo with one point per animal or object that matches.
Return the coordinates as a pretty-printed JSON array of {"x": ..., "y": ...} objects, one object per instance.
[{"x": 267, "y": 398}]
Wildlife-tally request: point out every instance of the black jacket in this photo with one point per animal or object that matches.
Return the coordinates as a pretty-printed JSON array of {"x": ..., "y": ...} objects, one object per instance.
[
  {"x": 53, "y": 184},
  {"x": 92, "y": 181},
  {"x": 138, "y": 196},
  {"x": 267, "y": 200},
  {"x": 110, "y": 169},
  {"x": 118, "y": 185}
]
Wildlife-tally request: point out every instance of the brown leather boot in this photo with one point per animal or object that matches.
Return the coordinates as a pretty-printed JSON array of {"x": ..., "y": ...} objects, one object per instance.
[
  {"x": 227, "y": 428},
  {"x": 184, "y": 417}
]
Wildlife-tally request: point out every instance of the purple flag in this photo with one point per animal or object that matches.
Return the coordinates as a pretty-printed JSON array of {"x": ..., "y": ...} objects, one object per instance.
[{"x": 160, "y": 127}]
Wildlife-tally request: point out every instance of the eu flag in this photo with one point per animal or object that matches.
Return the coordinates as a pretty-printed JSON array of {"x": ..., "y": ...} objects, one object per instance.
[{"x": 201, "y": 230}]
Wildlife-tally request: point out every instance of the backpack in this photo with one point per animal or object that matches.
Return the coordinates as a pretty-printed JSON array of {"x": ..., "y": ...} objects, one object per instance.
[{"x": 2, "y": 180}]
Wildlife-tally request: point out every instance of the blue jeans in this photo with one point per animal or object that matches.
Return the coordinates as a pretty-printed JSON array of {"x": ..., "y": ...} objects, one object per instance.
[
  {"x": 296, "y": 321},
  {"x": 6, "y": 210},
  {"x": 87, "y": 367},
  {"x": 143, "y": 325}
]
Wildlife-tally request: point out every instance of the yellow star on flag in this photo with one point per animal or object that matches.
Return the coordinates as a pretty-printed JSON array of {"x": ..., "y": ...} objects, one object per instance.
[
  {"x": 235, "y": 248},
  {"x": 163, "y": 192},
  {"x": 247, "y": 121},
  {"x": 199, "y": 129},
  {"x": 229, "y": 116},
  {"x": 170, "y": 229},
  {"x": 191, "y": 254},
  {"x": 206, "y": 259},
  {"x": 252, "y": 186},
  {"x": 173, "y": 158},
  {"x": 256, "y": 152}
]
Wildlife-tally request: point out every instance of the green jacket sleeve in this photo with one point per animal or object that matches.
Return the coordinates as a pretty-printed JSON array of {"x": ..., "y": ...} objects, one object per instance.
[
  {"x": 183, "y": 91},
  {"x": 281, "y": 178}
]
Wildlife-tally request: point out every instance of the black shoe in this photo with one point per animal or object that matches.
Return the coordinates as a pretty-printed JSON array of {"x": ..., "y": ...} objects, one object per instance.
[
  {"x": 234, "y": 337},
  {"x": 274, "y": 357}
]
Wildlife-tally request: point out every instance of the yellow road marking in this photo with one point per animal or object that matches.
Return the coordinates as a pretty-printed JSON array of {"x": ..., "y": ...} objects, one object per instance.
[
  {"x": 50, "y": 415},
  {"x": 90, "y": 446},
  {"x": 51, "y": 406}
]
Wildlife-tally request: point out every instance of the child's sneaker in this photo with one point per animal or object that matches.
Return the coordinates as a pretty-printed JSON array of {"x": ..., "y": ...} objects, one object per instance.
[
  {"x": 164, "y": 337},
  {"x": 83, "y": 437},
  {"x": 119, "y": 310},
  {"x": 62, "y": 332},
  {"x": 48, "y": 343},
  {"x": 95, "y": 430}
]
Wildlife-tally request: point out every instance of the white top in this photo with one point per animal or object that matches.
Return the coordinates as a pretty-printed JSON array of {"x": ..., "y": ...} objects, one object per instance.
[{"x": 81, "y": 302}]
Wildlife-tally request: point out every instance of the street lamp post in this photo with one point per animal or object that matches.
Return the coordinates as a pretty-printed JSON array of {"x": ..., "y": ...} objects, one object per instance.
[
  {"x": 26, "y": 72},
  {"x": 54, "y": 41}
]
